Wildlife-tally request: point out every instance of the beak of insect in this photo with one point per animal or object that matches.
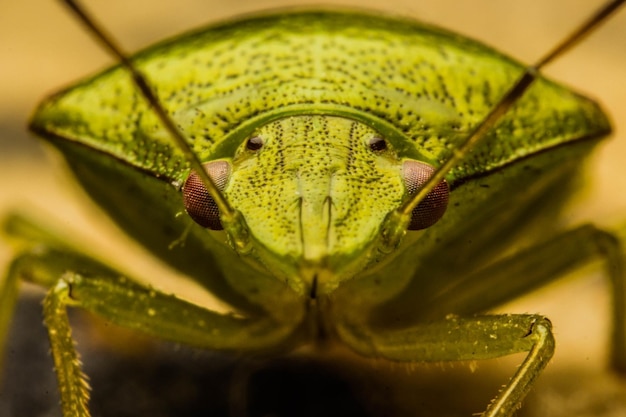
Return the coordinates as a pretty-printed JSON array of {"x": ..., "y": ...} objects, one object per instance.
[
  {"x": 315, "y": 219},
  {"x": 314, "y": 223}
]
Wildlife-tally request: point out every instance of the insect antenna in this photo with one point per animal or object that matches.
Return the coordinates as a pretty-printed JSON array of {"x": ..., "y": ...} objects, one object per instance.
[
  {"x": 396, "y": 223},
  {"x": 229, "y": 216}
]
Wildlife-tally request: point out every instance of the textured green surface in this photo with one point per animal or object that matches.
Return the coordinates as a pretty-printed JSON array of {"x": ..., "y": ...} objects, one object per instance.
[
  {"x": 324, "y": 189},
  {"x": 405, "y": 79}
]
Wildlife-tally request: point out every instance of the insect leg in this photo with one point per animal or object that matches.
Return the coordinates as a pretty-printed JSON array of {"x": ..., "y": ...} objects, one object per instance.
[
  {"x": 538, "y": 266},
  {"x": 461, "y": 339},
  {"x": 77, "y": 280},
  {"x": 9, "y": 292}
]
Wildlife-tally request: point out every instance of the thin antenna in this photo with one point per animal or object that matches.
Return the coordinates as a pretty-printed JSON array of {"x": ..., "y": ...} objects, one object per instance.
[
  {"x": 530, "y": 74},
  {"x": 226, "y": 211}
]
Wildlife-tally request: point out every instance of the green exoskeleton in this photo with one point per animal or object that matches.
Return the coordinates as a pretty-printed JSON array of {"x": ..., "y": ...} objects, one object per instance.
[{"x": 305, "y": 199}]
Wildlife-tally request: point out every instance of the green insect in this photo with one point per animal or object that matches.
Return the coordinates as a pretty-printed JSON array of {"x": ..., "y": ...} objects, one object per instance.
[{"x": 337, "y": 201}]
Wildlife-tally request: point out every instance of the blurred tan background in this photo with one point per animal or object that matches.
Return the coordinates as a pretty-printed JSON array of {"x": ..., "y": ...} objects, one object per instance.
[{"x": 42, "y": 49}]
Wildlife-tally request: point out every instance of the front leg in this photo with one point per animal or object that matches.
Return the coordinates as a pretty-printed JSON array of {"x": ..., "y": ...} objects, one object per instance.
[
  {"x": 77, "y": 280},
  {"x": 463, "y": 339}
]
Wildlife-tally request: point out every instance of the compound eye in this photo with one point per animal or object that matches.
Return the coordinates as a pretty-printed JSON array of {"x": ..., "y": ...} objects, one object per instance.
[
  {"x": 198, "y": 202},
  {"x": 431, "y": 208}
]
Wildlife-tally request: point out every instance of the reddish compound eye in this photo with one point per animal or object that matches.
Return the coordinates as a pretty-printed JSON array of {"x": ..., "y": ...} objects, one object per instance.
[
  {"x": 431, "y": 208},
  {"x": 198, "y": 202}
]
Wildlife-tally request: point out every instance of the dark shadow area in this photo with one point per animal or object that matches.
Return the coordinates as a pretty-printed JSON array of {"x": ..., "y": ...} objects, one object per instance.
[{"x": 169, "y": 380}]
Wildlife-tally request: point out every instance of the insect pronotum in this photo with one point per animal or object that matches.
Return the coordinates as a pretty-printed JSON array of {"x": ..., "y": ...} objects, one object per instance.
[{"x": 610, "y": 43}]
